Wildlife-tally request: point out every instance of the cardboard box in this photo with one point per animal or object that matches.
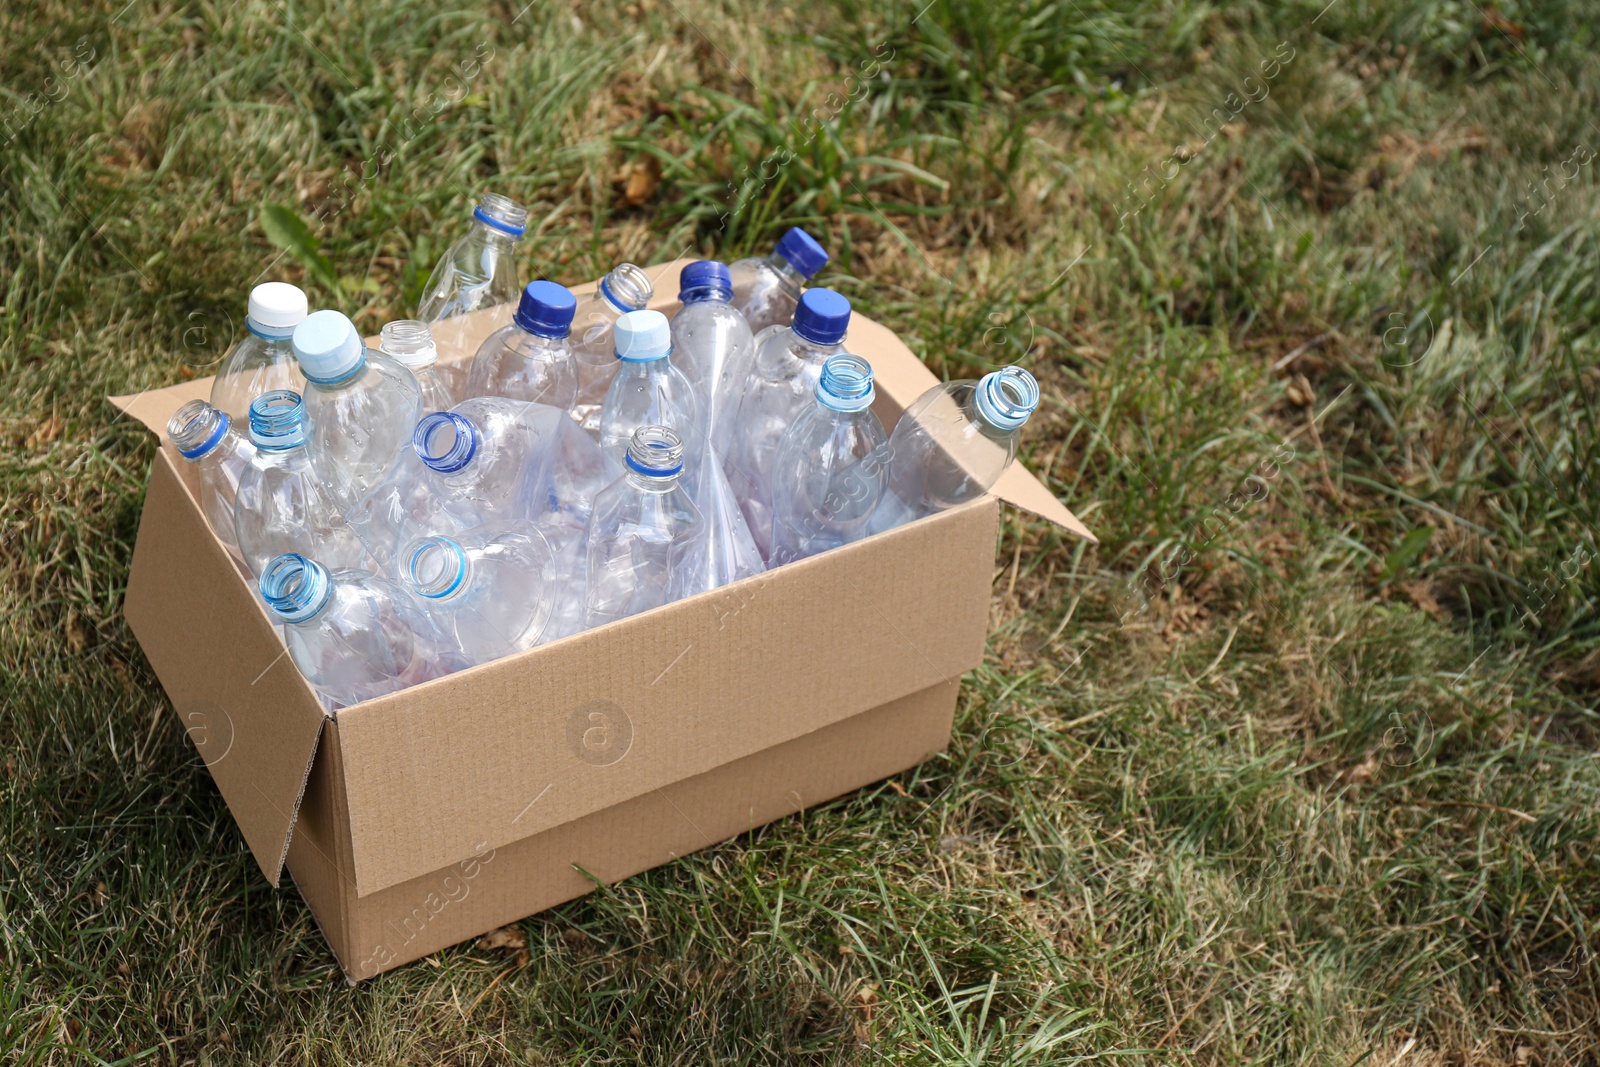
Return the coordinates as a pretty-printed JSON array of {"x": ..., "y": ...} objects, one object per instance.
[{"x": 412, "y": 822}]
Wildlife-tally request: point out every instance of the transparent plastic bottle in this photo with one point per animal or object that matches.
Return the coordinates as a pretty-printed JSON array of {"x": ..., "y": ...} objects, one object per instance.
[
  {"x": 531, "y": 359},
  {"x": 643, "y": 542},
  {"x": 647, "y": 391},
  {"x": 354, "y": 635},
  {"x": 828, "y": 475},
  {"x": 953, "y": 443},
  {"x": 490, "y": 590},
  {"x": 281, "y": 505},
  {"x": 478, "y": 272},
  {"x": 208, "y": 438},
  {"x": 361, "y": 406},
  {"x": 487, "y": 460},
  {"x": 783, "y": 384},
  {"x": 767, "y": 288},
  {"x": 409, "y": 343},
  {"x": 263, "y": 360},
  {"x": 712, "y": 346},
  {"x": 625, "y": 289}
]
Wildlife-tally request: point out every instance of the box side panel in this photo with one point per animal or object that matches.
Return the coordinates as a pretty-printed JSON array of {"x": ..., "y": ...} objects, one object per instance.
[
  {"x": 319, "y": 851},
  {"x": 515, "y": 747},
  {"x": 494, "y": 886},
  {"x": 251, "y": 716}
]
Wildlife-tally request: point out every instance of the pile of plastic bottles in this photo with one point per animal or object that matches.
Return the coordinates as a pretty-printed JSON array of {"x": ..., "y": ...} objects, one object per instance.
[{"x": 407, "y": 516}]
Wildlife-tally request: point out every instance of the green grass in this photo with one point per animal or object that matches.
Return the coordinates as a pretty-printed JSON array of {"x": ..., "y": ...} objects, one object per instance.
[{"x": 1297, "y": 766}]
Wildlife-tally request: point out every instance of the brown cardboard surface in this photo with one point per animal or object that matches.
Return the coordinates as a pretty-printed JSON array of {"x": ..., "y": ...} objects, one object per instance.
[
  {"x": 490, "y": 887},
  {"x": 250, "y": 713},
  {"x": 517, "y": 746}
]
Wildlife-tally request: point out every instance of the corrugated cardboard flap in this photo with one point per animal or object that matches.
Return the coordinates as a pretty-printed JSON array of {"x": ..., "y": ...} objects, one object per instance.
[{"x": 203, "y": 632}]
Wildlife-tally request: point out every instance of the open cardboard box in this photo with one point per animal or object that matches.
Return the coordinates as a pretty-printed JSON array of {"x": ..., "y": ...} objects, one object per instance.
[{"x": 435, "y": 814}]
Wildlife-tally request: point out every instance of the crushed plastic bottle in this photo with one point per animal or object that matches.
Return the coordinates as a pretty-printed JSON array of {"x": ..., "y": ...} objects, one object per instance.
[
  {"x": 263, "y": 360},
  {"x": 953, "y": 443},
  {"x": 361, "y": 406},
  {"x": 647, "y": 390},
  {"x": 478, "y": 272},
  {"x": 643, "y": 542},
  {"x": 766, "y": 289},
  {"x": 783, "y": 384},
  {"x": 409, "y": 343},
  {"x": 355, "y": 636},
  {"x": 491, "y": 591},
  {"x": 531, "y": 358},
  {"x": 487, "y": 460},
  {"x": 712, "y": 346},
  {"x": 626, "y": 288},
  {"x": 828, "y": 475},
  {"x": 208, "y": 438},
  {"x": 281, "y": 504}
]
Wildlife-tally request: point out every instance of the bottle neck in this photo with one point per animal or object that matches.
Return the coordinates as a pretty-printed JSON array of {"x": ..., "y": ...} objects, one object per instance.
[
  {"x": 655, "y": 484},
  {"x": 497, "y": 239},
  {"x": 702, "y": 294},
  {"x": 626, "y": 288},
  {"x": 268, "y": 333},
  {"x": 446, "y": 442},
  {"x": 296, "y": 588},
  {"x": 787, "y": 273},
  {"x": 199, "y": 430},
  {"x": 437, "y": 568}
]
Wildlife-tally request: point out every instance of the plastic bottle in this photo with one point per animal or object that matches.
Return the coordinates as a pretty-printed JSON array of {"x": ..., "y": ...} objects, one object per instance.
[
  {"x": 487, "y": 460},
  {"x": 712, "y": 346},
  {"x": 361, "y": 406},
  {"x": 783, "y": 384},
  {"x": 355, "y": 636},
  {"x": 953, "y": 443},
  {"x": 208, "y": 438},
  {"x": 767, "y": 288},
  {"x": 642, "y": 545},
  {"x": 625, "y": 289},
  {"x": 490, "y": 590},
  {"x": 828, "y": 475},
  {"x": 409, "y": 343},
  {"x": 281, "y": 505},
  {"x": 263, "y": 360},
  {"x": 531, "y": 359},
  {"x": 647, "y": 391},
  {"x": 478, "y": 272}
]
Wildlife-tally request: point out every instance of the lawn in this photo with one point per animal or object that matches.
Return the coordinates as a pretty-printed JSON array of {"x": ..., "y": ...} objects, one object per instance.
[{"x": 1297, "y": 766}]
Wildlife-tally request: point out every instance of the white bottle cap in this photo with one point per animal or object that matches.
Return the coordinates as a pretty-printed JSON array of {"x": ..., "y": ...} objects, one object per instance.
[
  {"x": 277, "y": 305},
  {"x": 328, "y": 347},
  {"x": 642, "y": 336}
]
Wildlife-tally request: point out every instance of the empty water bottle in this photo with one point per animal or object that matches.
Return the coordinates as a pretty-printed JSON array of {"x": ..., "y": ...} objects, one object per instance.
[
  {"x": 208, "y": 438},
  {"x": 828, "y": 475},
  {"x": 531, "y": 359},
  {"x": 410, "y": 343},
  {"x": 263, "y": 360},
  {"x": 711, "y": 345},
  {"x": 625, "y": 289},
  {"x": 478, "y": 272},
  {"x": 281, "y": 505},
  {"x": 354, "y": 635},
  {"x": 782, "y": 387},
  {"x": 490, "y": 590},
  {"x": 643, "y": 543},
  {"x": 953, "y": 443},
  {"x": 647, "y": 391},
  {"x": 767, "y": 288},
  {"x": 361, "y": 406}
]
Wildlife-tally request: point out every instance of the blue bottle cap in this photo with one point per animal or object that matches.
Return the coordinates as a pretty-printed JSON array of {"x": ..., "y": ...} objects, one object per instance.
[
  {"x": 704, "y": 278},
  {"x": 802, "y": 252},
  {"x": 822, "y": 317},
  {"x": 328, "y": 347},
  {"x": 546, "y": 309},
  {"x": 642, "y": 336},
  {"x": 846, "y": 383},
  {"x": 278, "y": 420}
]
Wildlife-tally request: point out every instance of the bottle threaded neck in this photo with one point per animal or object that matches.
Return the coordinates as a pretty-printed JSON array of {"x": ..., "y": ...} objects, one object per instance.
[
  {"x": 410, "y": 342},
  {"x": 502, "y": 214},
  {"x": 277, "y": 420},
  {"x": 197, "y": 428},
  {"x": 435, "y": 568},
  {"x": 445, "y": 441},
  {"x": 627, "y": 287},
  {"x": 1005, "y": 398},
  {"x": 846, "y": 383},
  {"x": 655, "y": 452},
  {"x": 294, "y": 587}
]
